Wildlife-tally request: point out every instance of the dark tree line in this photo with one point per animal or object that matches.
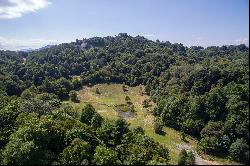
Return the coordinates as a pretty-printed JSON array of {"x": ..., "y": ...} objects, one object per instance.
[{"x": 39, "y": 130}]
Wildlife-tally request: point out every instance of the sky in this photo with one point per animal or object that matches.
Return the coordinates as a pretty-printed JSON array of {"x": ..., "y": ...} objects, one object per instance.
[{"x": 36, "y": 23}]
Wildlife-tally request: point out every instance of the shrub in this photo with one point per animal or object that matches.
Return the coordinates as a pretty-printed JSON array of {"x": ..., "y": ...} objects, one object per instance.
[
  {"x": 186, "y": 158},
  {"x": 87, "y": 114},
  {"x": 73, "y": 96},
  {"x": 182, "y": 157},
  {"x": 158, "y": 127},
  {"x": 239, "y": 150},
  {"x": 97, "y": 91},
  {"x": 190, "y": 159}
]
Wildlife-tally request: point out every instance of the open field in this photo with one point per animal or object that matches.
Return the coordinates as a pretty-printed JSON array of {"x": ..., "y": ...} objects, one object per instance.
[{"x": 113, "y": 94}]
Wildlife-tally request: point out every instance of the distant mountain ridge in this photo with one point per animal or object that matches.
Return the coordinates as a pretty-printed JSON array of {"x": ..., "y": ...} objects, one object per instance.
[{"x": 38, "y": 49}]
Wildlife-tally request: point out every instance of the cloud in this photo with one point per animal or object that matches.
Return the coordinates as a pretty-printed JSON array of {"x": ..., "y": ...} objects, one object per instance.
[
  {"x": 205, "y": 42},
  {"x": 149, "y": 35},
  {"x": 242, "y": 41},
  {"x": 18, "y": 44},
  {"x": 10, "y": 9}
]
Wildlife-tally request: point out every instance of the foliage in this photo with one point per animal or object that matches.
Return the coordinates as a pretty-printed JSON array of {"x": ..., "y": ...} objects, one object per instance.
[
  {"x": 76, "y": 154},
  {"x": 190, "y": 160},
  {"x": 146, "y": 103},
  {"x": 97, "y": 91},
  {"x": 200, "y": 91},
  {"x": 239, "y": 150},
  {"x": 105, "y": 156},
  {"x": 158, "y": 127},
  {"x": 73, "y": 96},
  {"x": 182, "y": 157},
  {"x": 87, "y": 114},
  {"x": 186, "y": 158}
]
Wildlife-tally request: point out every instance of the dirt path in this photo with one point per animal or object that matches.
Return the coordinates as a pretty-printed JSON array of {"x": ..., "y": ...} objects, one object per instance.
[{"x": 198, "y": 159}]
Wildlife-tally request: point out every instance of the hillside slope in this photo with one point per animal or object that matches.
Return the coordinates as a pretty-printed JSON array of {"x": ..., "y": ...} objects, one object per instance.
[
  {"x": 110, "y": 95},
  {"x": 202, "y": 92}
]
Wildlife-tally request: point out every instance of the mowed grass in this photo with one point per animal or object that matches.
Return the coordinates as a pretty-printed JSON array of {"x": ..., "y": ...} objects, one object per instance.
[{"x": 111, "y": 94}]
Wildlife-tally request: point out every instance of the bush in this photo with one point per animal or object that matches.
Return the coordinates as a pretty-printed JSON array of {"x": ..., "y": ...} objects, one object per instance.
[
  {"x": 190, "y": 159},
  {"x": 182, "y": 157},
  {"x": 96, "y": 120},
  {"x": 239, "y": 150},
  {"x": 105, "y": 156},
  {"x": 145, "y": 103},
  {"x": 87, "y": 114},
  {"x": 124, "y": 88},
  {"x": 186, "y": 158},
  {"x": 97, "y": 91},
  {"x": 183, "y": 137},
  {"x": 75, "y": 154},
  {"x": 73, "y": 96},
  {"x": 158, "y": 127},
  {"x": 128, "y": 100}
]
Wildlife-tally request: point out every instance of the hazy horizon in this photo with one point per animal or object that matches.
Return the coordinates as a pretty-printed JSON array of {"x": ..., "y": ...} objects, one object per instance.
[
  {"x": 51, "y": 44},
  {"x": 36, "y": 23}
]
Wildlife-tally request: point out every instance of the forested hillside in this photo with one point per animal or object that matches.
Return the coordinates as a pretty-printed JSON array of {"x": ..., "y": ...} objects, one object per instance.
[{"x": 203, "y": 92}]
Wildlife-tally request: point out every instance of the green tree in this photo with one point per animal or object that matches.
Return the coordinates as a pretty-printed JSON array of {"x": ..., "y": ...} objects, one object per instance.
[
  {"x": 8, "y": 116},
  {"x": 78, "y": 153},
  {"x": 73, "y": 96},
  {"x": 96, "y": 120},
  {"x": 211, "y": 137},
  {"x": 190, "y": 160},
  {"x": 105, "y": 156},
  {"x": 158, "y": 127},
  {"x": 182, "y": 157},
  {"x": 28, "y": 153},
  {"x": 76, "y": 83},
  {"x": 87, "y": 114},
  {"x": 239, "y": 150},
  {"x": 112, "y": 132},
  {"x": 12, "y": 88},
  {"x": 183, "y": 136},
  {"x": 186, "y": 158},
  {"x": 137, "y": 155}
]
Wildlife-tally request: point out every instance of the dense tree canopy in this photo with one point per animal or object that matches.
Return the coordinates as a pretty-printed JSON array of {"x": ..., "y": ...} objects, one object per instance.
[{"x": 203, "y": 92}]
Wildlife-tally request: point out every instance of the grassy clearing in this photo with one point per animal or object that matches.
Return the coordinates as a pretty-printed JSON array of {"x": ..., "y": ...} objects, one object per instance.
[{"x": 113, "y": 94}]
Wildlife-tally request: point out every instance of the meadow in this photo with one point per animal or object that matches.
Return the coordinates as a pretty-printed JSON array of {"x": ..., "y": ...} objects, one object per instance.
[{"x": 110, "y": 95}]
